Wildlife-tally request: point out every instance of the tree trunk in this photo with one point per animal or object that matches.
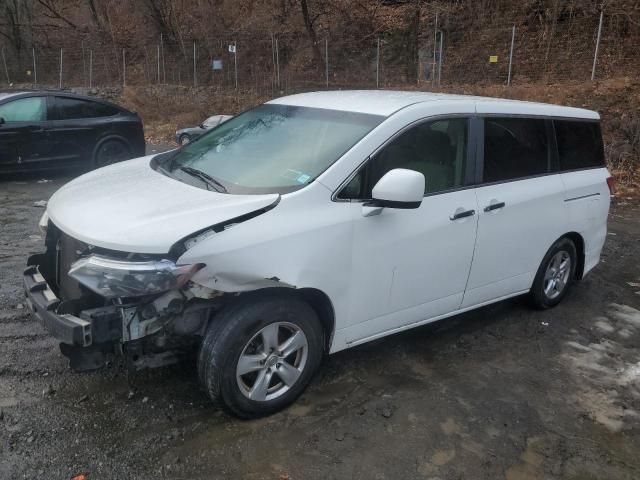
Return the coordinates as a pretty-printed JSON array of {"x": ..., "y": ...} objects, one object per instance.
[
  {"x": 413, "y": 45},
  {"x": 317, "y": 56},
  {"x": 161, "y": 17},
  {"x": 94, "y": 13}
]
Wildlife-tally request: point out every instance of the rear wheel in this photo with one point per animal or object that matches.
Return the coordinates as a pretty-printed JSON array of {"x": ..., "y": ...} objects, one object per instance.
[
  {"x": 259, "y": 355},
  {"x": 555, "y": 274},
  {"x": 111, "y": 151}
]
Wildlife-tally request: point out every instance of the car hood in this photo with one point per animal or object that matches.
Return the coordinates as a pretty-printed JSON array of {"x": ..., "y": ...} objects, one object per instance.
[{"x": 131, "y": 207}]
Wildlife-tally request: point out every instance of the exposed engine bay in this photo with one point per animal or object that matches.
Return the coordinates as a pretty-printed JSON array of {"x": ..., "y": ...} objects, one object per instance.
[{"x": 103, "y": 303}]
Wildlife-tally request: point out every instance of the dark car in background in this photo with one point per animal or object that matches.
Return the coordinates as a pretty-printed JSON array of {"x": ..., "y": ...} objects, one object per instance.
[
  {"x": 47, "y": 130},
  {"x": 186, "y": 135}
]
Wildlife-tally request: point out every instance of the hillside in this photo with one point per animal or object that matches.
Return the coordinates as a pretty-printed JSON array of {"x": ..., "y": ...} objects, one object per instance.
[
  {"x": 336, "y": 41},
  {"x": 157, "y": 49}
]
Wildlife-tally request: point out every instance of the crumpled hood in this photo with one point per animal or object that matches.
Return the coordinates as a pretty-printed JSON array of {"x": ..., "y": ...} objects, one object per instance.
[{"x": 132, "y": 208}]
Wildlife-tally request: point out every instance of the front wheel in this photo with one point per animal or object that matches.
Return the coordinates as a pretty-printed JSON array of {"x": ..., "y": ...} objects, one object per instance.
[
  {"x": 259, "y": 355},
  {"x": 555, "y": 274},
  {"x": 184, "y": 139}
]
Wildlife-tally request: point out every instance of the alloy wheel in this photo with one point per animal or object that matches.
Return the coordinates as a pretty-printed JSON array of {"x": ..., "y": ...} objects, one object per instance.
[
  {"x": 557, "y": 274},
  {"x": 272, "y": 361}
]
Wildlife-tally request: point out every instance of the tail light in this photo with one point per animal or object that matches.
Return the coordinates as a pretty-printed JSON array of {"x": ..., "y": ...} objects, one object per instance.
[{"x": 611, "y": 183}]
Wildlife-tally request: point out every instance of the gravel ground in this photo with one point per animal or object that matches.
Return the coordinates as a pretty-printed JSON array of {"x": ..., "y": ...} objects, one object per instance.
[{"x": 503, "y": 392}]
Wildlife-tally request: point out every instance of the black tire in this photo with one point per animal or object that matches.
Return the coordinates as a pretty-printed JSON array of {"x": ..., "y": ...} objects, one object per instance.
[
  {"x": 230, "y": 333},
  {"x": 184, "y": 139},
  {"x": 541, "y": 295},
  {"x": 109, "y": 152}
]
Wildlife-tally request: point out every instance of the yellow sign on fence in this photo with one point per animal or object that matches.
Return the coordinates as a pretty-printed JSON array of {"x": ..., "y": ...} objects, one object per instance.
[{"x": 493, "y": 59}]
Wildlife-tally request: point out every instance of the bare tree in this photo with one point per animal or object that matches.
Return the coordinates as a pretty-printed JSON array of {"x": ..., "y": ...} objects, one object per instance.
[
  {"x": 309, "y": 26},
  {"x": 94, "y": 13},
  {"x": 164, "y": 15},
  {"x": 161, "y": 12},
  {"x": 55, "y": 10},
  {"x": 413, "y": 38},
  {"x": 17, "y": 16}
]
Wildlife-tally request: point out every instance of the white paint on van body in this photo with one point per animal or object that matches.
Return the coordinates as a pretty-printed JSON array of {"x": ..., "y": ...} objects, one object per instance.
[{"x": 382, "y": 273}]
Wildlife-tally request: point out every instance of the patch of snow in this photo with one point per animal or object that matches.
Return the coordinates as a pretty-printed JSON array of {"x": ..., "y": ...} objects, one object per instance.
[
  {"x": 626, "y": 313},
  {"x": 604, "y": 325},
  {"x": 630, "y": 375}
]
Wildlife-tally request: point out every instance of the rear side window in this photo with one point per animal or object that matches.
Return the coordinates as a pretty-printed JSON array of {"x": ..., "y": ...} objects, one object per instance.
[
  {"x": 30, "y": 109},
  {"x": 579, "y": 144},
  {"x": 514, "y": 148},
  {"x": 73, "y": 108}
]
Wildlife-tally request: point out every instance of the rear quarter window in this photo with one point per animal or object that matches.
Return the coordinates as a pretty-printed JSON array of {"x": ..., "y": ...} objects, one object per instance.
[
  {"x": 514, "y": 148},
  {"x": 579, "y": 144},
  {"x": 74, "y": 108}
]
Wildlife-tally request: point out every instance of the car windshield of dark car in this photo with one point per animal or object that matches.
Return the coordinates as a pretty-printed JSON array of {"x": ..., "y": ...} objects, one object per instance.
[
  {"x": 270, "y": 149},
  {"x": 211, "y": 121}
]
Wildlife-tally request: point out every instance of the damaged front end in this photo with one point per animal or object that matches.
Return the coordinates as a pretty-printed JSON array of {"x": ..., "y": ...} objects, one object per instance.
[{"x": 100, "y": 303}]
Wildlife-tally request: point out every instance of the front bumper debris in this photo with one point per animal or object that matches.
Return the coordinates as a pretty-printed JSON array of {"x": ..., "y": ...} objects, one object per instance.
[
  {"x": 43, "y": 302},
  {"x": 87, "y": 339},
  {"x": 91, "y": 328}
]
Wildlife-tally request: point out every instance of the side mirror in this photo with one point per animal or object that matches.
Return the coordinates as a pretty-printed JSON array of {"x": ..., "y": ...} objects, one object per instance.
[
  {"x": 398, "y": 188},
  {"x": 2, "y": 121}
]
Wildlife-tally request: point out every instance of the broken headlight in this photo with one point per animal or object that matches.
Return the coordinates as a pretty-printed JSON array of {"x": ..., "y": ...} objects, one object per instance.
[{"x": 111, "y": 278}]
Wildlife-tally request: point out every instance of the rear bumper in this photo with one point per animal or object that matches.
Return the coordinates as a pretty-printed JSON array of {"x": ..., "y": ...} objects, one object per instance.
[{"x": 43, "y": 302}]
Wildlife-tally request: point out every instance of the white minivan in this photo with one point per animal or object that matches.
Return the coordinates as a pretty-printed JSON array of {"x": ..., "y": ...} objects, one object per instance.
[{"x": 316, "y": 222}]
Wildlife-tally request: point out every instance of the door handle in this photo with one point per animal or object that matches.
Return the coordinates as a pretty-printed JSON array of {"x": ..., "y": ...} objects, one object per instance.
[
  {"x": 463, "y": 214},
  {"x": 494, "y": 206}
]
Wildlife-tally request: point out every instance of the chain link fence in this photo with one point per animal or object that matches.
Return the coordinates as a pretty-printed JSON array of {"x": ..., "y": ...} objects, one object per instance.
[{"x": 574, "y": 49}]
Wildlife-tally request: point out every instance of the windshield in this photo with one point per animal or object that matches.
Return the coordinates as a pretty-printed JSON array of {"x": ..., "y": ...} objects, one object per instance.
[{"x": 270, "y": 149}]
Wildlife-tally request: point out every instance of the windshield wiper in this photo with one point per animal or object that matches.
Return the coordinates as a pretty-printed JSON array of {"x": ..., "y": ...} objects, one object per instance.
[{"x": 207, "y": 179}]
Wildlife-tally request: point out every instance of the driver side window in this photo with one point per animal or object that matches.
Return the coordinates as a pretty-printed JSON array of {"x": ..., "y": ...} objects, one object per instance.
[
  {"x": 30, "y": 109},
  {"x": 436, "y": 149}
]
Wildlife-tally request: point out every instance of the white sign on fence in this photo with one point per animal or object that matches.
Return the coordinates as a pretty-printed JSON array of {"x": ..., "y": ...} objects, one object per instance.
[
  {"x": 232, "y": 48},
  {"x": 216, "y": 64}
]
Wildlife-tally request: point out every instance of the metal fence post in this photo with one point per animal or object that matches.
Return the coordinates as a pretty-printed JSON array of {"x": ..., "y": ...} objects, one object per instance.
[
  {"x": 60, "y": 81},
  {"x": 440, "y": 58},
  {"x": 595, "y": 55},
  {"x": 147, "y": 75},
  {"x": 164, "y": 70},
  {"x": 107, "y": 72},
  {"x": 326, "y": 61},
  {"x": 90, "y": 67},
  {"x": 378, "y": 64},
  {"x": 513, "y": 39},
  {"x": 194, "y": 65},
  {"x": 35, "y": 70},
  {"x": 277, "y": 64},
  {"x": 235, "y": 60},
  {"x": 435, "y": 44},
  {"x": 124, "y": 69},
  {"x": 84, "y": 67},
  {"x": 158, "y": 64},
  {"x": 6, "y": 71},
  {"x": 273, "y": 59}
]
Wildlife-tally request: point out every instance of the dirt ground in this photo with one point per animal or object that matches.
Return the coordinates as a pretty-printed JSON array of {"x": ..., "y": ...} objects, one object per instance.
[{"x": 503, "y": 392}]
